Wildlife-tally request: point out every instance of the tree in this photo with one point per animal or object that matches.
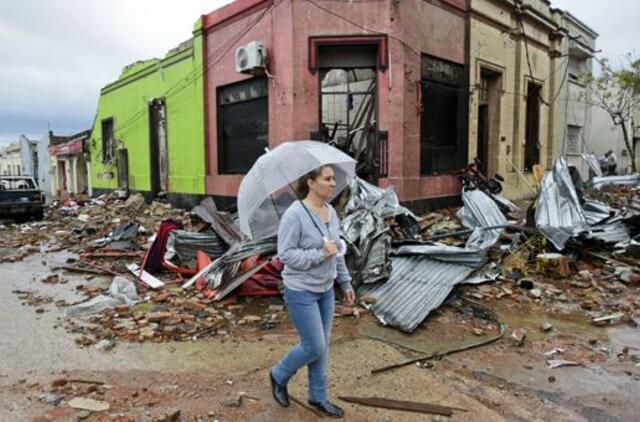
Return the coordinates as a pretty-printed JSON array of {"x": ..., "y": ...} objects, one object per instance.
[{"x": 618, "y": 93}]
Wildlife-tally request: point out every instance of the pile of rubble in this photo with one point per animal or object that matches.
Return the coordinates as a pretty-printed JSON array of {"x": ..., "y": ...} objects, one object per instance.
[
  {"x": 84, "y": 225},
  {"x": 179, "y": 275},
  {"x": 175, "y": 315}
]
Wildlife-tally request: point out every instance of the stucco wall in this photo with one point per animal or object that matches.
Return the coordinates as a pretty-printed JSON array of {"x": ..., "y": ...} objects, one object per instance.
[
  {"x": 497, "y": 44},
  {"x": 178, "y": 79},
  {"x": 414, "y": 27}
]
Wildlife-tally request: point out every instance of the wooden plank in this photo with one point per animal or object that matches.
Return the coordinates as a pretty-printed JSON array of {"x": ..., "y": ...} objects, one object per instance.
[{"x": 409, "y": 406}]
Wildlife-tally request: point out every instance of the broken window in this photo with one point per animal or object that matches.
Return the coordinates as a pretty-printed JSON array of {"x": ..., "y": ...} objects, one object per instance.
[
  {"x": 532, "y": 128},
  {"x": 243, "y": 125},
  {"x": 441, "y": 117},
  {"x": 348, "y": 114},
  {"x": 108, "y": 141},
  {"x": 574, "y": 144}
]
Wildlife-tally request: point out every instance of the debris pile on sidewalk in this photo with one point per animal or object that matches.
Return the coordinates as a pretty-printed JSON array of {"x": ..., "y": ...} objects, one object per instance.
[
  {"x": 174, "y": 314},
  {"x": 178, "y": 275},
  {"x": 86, "y": 225},
  {"x": 576, "y": 251}
]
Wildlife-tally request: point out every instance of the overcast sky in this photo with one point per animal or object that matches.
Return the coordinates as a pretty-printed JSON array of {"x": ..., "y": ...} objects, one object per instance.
[{"x": 56, "y": 54}]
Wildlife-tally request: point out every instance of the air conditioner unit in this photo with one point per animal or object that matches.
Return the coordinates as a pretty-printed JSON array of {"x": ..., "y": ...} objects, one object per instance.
[{"x": 251, "y": 58}]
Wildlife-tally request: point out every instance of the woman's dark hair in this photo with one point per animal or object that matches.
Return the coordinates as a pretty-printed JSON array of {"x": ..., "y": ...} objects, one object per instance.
[{"x": 302, "y": 186}]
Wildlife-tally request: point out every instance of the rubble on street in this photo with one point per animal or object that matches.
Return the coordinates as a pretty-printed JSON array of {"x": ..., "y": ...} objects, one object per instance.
[
  {"x": 158, "y": 274},
  {"x": 199, "y": 268}
]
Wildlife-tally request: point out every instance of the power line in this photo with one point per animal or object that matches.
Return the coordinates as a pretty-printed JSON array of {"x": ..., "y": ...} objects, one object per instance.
[
  {"x": 373, "y": 31},
  {"x": 177, "y": 87}
]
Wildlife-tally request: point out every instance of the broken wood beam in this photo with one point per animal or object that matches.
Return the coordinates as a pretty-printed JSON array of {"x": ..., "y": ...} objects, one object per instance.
[
  {"x": 98, "y": 267},
  {"x": 438, "y": 355},
  {"x": 608, "y": 258},
  {"x": 410, "y": 406},
  {"x": 113, "y": 254},
  {"x": 71, "y": 268}
]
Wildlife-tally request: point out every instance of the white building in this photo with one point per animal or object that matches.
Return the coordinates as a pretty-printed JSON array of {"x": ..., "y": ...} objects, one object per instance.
[
  {"x": 19, "y": 158},
  {"x": 574, "y": 107}
]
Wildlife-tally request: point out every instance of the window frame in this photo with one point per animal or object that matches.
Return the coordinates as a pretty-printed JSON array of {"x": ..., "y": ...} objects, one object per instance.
[
  {"x": 430, "y": 77},
  {"x": 225, "y": 168},
  {"x": 108, "y": 145}
]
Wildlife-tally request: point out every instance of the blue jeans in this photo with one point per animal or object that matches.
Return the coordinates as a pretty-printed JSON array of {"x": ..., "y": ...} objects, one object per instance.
[{"x": 312, "y": 315}]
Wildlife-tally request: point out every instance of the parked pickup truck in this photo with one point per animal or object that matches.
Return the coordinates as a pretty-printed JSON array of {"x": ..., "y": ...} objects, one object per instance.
[{"x": 20, "y": 196}]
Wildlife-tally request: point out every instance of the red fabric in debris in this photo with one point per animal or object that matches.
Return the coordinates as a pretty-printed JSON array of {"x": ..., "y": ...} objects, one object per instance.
[
  {"x": 159, "y": 246},
  {"x": 265, "y": 282},
  {"x": 178, "y": 270},
  {"x": 203, "y": 260}
]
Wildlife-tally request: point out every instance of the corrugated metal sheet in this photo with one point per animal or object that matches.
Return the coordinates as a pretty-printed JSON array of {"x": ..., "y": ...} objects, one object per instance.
[
  {"x": 593, "y": 164},
  {"x": 417, "y": 286},
  {"x": 445, "y": 253},
  {"x": 610, "y": 233},
  {"x": 559, "y": 215},
  {"x": 628, "y": 180},
  {"x": 187, "y": 244},
  {"x": 221, "y": 222},
  {"x": 481, "y": 211},
  {"x": 595, "y": 211}
]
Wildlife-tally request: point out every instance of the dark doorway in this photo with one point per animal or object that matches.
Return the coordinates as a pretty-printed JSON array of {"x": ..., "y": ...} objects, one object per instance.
[
  {"x": 488, "y": 146},
  {"x": 532, "y": 128},
  {"x": 483, "y": 137},
  {"x": 123, "y": 169},
  {"x": 158, "y": 146}
]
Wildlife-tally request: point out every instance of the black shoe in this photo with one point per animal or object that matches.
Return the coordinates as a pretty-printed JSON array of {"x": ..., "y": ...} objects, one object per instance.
[
  {"x": 327, "y": 408},
  {"x": 280, "y": 393}
]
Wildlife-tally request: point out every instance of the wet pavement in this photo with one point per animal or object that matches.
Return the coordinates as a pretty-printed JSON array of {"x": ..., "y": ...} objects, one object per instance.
[{"x": 204, "y": 378}]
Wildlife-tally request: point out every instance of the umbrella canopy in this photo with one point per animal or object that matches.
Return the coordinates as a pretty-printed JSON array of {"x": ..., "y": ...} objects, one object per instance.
[{"x": 267, "y": 190}]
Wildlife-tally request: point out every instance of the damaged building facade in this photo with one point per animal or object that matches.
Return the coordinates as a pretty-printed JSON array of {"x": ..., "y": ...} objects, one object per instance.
[
  {"x": 148, "y": 134},
  {"x": 385, "y": 81},
  {"x": 413, "y": 90},
  {"x": 69, "y": 164},
  {"x": 527, "y": 104}
]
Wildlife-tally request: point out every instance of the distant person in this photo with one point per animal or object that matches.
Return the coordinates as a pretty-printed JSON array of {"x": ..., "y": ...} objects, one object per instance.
[
  {"x": 612, "y": 162},
  {"x": 608, "y": 163}
]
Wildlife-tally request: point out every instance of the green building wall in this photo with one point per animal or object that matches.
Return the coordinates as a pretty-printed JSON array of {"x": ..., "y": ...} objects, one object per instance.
[{"x": 177, "y": 78}]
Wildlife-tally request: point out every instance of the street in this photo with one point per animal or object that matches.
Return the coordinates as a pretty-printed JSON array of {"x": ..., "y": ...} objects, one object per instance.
[{"x": 204, "y": 379}]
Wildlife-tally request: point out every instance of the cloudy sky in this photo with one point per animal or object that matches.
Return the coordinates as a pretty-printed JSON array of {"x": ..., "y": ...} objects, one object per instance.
[{"x": 56, "y": 54}]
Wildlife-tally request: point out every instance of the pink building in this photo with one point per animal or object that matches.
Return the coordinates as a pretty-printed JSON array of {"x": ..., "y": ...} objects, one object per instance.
[{"x": 385, "y": 79}]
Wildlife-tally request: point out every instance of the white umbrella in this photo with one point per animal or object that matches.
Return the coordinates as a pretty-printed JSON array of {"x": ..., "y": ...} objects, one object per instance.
[{"x": 267, "y": 189}]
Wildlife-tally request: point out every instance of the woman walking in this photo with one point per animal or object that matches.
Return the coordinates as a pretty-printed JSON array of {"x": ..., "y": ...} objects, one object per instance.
[{"x": 307, "y": 245}]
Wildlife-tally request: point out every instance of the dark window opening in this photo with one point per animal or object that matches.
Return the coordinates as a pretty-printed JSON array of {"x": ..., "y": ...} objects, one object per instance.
[
  {"x": 108, "y": 141},
  {"x": 532, "y": 127},
  {"x": 442, "y": 116},
  {"x": 243, "y": 125}
]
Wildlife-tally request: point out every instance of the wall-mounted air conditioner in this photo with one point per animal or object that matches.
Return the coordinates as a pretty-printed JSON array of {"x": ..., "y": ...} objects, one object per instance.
[{"x": 251, "y": 58}]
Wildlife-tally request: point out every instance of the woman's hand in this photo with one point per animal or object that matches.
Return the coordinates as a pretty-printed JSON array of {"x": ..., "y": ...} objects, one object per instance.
[
  {"x": 349, "y": 297},
  {"x": 330, "y": 248}
]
